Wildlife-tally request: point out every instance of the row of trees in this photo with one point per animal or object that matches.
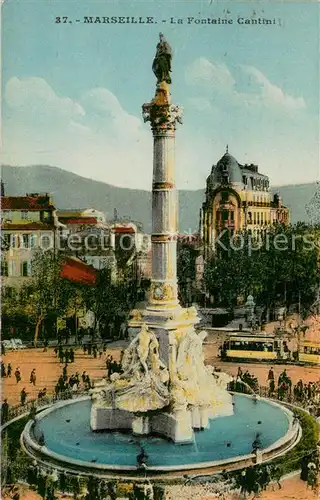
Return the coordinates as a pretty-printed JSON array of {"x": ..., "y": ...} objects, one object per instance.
[
  {"x": 281, "y": 265},
  {"x": 47, "y": 296}
]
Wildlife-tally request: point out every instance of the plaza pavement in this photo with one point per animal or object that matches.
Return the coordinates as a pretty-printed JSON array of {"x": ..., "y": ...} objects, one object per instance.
[{"x": 48, "y": 369}]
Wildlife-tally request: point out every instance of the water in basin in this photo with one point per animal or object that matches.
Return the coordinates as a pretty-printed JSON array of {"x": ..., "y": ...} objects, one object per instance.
[{"x": 67, "y": 432}]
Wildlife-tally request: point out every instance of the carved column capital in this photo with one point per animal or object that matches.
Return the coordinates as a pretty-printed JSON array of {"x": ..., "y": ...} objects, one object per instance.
[{"x": 163, "y": 117}]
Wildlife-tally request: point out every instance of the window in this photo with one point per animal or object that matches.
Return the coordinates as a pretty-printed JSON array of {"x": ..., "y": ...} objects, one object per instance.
[
  {"x": 46, "y": 216},
  {"x": 45, "y": 242},
  {"x": 224, "y": 195},
  {"x": 15, "y": 242},
  {"x": 6, "y": 241},
  {"x": 26, "y": 268},
  {"x": 24, "y": 214},
  {"x": 225, "y": 179},
  {"x": 25, "y": 241},
  {"x": 249, "y": 218},
  {"x": 245, "y": 180},
  {"x": 4, "y": 268},
  {"x": 254, "y": 218},
  {"x": 7, "y": 214},
  {"x": 33, "y": 240},
  {"x": 225, "y": 215},
  {"x": 258, "y": 218}
]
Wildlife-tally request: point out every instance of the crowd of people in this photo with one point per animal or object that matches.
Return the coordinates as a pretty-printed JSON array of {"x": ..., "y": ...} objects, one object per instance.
[
  {"x": 65, "y": 356},
  {"x": 303, "y": 393},
  {"x": 66, "y": 383}
]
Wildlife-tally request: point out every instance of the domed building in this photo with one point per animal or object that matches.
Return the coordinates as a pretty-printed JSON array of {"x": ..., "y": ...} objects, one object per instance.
[{"x": 238, "y": 198}]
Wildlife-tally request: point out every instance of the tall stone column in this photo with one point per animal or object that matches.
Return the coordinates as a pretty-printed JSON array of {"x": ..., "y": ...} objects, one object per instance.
[{"x": 163, "y": 117}]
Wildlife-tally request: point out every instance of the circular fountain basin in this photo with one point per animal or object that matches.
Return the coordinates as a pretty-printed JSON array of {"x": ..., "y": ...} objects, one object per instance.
[{"x": 69, "y": 441}]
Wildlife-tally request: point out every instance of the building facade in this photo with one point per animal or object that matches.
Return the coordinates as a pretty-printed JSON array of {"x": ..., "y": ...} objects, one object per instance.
[
  {"x": 238, "y": 198},
  {"x": 28, "y": 223}
]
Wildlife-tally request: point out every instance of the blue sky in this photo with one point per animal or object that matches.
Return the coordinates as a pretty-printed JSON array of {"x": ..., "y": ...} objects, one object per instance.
[{"x": 73, "y": 92}]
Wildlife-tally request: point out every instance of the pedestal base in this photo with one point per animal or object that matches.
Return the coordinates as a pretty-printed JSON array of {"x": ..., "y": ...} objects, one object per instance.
[{"x": 177, "y": 426}]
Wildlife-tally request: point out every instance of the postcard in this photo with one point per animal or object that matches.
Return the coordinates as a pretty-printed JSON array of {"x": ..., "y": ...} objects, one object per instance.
[{"x": 160, "y": 249}]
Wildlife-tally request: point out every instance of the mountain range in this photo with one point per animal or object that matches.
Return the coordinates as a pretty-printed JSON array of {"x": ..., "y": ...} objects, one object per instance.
[{"x": 71, "y": 191}]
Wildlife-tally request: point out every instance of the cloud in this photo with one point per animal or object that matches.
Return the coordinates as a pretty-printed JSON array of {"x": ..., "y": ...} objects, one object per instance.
[
  {"x": 200, "y": 103},
  {"x": 108, "y": 113},
  {"x": 93, "y": 137},
  {"x": 270, "y": 93},
  {"x": 34, "y": 95},
  {"x": 206, "y": 73},
  {"x": 216, "y": 81}
]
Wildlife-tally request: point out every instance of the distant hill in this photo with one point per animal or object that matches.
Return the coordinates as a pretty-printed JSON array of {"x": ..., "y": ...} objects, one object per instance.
[{"x": 73, "y": 191}]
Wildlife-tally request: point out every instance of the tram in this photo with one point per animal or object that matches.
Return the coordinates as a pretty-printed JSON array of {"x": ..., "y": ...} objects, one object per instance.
[
  {"x": 247, "y": 346},
  {"x": 309, "y": 352}
]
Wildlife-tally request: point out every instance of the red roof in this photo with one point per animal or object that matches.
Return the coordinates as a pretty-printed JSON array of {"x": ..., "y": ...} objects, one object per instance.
[
  {"x": 78, "y": 271},
  {"x": 78, "y": 220},
  {"x": 35, "y": 202},
  {"x": 121, "y": 229},
  {"x": 32, "y": 226}
]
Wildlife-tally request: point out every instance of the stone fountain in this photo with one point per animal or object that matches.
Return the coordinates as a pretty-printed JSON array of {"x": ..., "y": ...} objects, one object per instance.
[
  {"x": 165, "y": 392},
  {"x": 165, "y": 387}
]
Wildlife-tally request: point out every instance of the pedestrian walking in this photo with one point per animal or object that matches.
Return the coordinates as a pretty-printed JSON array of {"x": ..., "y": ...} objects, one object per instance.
[
  {"x": 66, "y": 356},
  {"x": 9, "y": 370},
  {"x": 61, "y": 383},
  {"x": 3, "y": 370},
  {"x": 23, "y": 396},
  {"x": 60, "y": 353},
  {"x": 271, "y": 387},
  {"x": 84, "y": 376},
  {"x": 87, "y": 382},
  {"x": 71, "y": 355},
  {"x": 271, "y": 374},
  {"x": 64, "y": 373},
  {"x": 4, "y": 412},
  {"x": 33, "y": 377},
  {"x": 95, "y": 351},
  {"x": 17, "y": 375}
]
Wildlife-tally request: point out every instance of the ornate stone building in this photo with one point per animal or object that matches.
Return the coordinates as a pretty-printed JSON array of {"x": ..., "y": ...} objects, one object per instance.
[
  {"x": 27, "y": 223},
  {"x": 238, "y": 198}
]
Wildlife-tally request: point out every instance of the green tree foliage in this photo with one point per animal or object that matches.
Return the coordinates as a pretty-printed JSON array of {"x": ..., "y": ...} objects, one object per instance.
[
  {"x": 47, "y": 295},
  {"x": 280, "y": 265}
]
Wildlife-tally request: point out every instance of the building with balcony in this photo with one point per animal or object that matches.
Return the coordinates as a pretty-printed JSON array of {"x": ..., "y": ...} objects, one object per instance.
[
  {"x": 28, "y": 223},
  {"x": 238, "y": 198}
]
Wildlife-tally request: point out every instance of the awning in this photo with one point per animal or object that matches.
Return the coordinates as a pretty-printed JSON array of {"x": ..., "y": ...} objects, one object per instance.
[{"x": 78, "y": 271}]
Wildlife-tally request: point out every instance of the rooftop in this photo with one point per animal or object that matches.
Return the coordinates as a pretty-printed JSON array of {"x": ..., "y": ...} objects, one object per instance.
[{"x": 33, "y": 201}]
